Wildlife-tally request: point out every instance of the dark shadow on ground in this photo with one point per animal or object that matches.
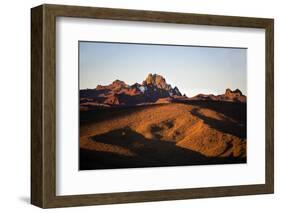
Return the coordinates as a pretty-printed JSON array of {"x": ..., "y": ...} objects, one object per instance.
[
  {"x": 233, "y": 110},
  {"x": 146, "y": 153},
  {"x": 226, "y": 126}
]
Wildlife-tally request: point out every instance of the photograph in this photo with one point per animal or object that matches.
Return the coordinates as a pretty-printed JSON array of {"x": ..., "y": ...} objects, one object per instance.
[{"x": 157, "y": 105}]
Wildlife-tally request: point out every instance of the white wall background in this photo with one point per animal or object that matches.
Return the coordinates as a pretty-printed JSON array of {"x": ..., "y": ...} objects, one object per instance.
[{"x": 15, "y": 104}]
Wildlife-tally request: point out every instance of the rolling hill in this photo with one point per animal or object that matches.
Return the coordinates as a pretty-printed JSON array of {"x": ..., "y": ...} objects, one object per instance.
[{"x": 196, "y": 132}]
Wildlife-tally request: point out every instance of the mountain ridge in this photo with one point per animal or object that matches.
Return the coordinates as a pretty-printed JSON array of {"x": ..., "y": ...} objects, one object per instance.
[{"x": 154, "y": 89}]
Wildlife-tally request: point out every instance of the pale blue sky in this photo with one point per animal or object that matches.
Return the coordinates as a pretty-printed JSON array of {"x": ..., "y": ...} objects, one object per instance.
[{"x": 192, "y": 69}]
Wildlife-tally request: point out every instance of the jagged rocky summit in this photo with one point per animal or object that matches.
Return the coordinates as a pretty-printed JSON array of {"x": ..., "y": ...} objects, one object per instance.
[{"x": 154, "y": 87}]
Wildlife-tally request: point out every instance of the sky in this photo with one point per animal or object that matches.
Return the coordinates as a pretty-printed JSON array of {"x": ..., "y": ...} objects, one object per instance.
[{"x": 193, "y": 69}]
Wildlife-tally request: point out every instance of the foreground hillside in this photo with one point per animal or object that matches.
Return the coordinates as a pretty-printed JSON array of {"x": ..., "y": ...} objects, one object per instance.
[{"x": 172, "y": 134}]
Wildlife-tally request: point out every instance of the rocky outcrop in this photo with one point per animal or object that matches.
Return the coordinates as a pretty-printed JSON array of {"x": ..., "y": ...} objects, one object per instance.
[
  {"x": 235, "y": 95},
  {"x": 158, "y": 87},
  {"x": 229, "y": 96}
]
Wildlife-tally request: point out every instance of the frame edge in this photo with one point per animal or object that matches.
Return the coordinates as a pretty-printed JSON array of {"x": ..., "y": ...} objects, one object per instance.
[
  {"x": 37, "y": 189},
  {"x": 269, "y": 119}
]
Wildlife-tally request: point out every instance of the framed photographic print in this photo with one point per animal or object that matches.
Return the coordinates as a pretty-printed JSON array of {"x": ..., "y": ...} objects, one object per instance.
[{"x": 136, "y": 106}]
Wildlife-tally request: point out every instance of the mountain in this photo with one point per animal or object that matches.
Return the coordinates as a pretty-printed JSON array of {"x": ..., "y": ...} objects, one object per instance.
[
  {"x": 229, "y": 96},
  {"x": 157, "y": 82},
  {"x": 154, "y": 89}
]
